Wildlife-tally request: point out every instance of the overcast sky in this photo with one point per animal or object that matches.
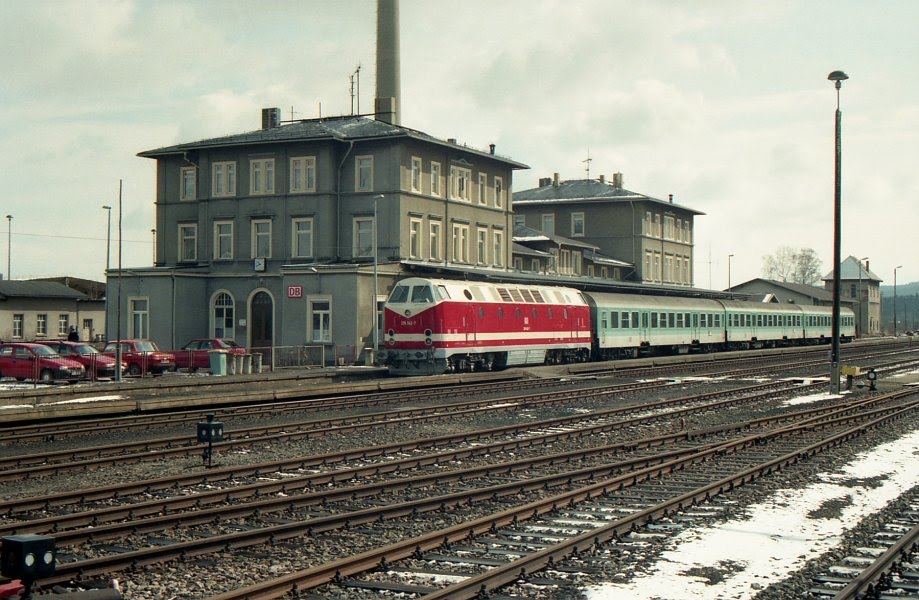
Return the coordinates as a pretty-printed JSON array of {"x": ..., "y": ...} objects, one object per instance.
[{"x": 724, "y": 104}]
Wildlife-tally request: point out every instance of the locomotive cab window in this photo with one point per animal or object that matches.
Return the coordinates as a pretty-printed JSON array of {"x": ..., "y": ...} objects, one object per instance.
[
  {"x": 422, "y": 294},
  {"x": 399, "y": 294}
]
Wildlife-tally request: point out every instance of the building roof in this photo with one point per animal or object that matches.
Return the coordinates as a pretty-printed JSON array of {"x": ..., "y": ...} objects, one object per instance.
[
  {"x": 522, "y": 250},
  {"x": 37, "y": 289},
  {"x": 346, "y": 129},
  {"x": 852, "y": 269},
  {"x": 802, "y": 289},
  {"x": 586, "y": 190},
  {"x": 523, "y": 234}
]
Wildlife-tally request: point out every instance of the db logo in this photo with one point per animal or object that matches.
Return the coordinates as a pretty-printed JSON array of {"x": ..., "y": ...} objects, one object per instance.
[{"x": 295, "y": 291}]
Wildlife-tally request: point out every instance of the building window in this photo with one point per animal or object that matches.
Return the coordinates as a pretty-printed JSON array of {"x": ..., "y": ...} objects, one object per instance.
[
  {"x": 460, "y": 178},
  {"x": 520, "y": 220},
  {"x": 498, "y": 241},
  {"x": 188, "y": 191},
  {"x": 63, "y": 325},
  {"x": 363, "y": 236},
  {"x": 535, "y": 266},
  {"x": 435, "y": 179},
  {"x": 499, "y": 192},
  {"x": 577, "y": 224},
  {"x": 18, "y": 320},
  {"x": 436, "y": 240},
  {"x": 687, "y": 232},
  {"x": 223, "y": 240},
  {"x": 261, "y": 176},
  {"x": 261, "y": 238},
  {"x": 363, "y": 174},
  {"x": 481, "y": 236},
  {"x": 668, "y": 228},
  {"x": 460, "y": 243},
  {"x": 320, "y": 320},
  {"x": 224, "y": 179},
  {"x": 139, "y": 311},
  {"x": 188, "y": 242},
  {"x": 548, "y": 224},
  {"x": 224, "y": 324},
  {"x": 303, "y": 174},
  {"x": 414, "y": 239},
  {"x": 483, "y": 189},
  {"x": 302, "y": 238},
  {"x": 41, "y": 325},
  {"x": 657, "y": 226},
  {"x": 518, "y": 263},
  {"x": 416, "y": 174},
  {"x": 576, "y": 262},
  {"x": 564, "y": 262}
]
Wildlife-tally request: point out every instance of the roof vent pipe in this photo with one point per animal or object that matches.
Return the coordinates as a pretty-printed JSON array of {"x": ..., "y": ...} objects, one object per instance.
[
  {"x": 671, "y": 198},
  {"x": 617, "y": 180},
  {"x": 491, "y": 148},
  {"x": 602, "y": 178},
  {"x": 555, "y": 179}
]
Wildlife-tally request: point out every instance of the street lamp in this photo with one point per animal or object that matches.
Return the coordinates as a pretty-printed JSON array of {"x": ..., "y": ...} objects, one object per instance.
[
  {"x": 838, "y": 77},
  {"x": 730, "y": 256},
  {"x": 895, "y": 299},
  {"x": 376, "y": 324},
  {"x": 9, "y": 246},
  {"x": 860, "y": 261}
]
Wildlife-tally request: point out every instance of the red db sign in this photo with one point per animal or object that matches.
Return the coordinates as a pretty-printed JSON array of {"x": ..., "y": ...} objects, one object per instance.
[{"x": 295, "y": 291}]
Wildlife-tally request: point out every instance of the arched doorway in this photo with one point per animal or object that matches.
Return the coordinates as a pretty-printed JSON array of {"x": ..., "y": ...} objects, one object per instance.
[{"x": 261, "y": 326}]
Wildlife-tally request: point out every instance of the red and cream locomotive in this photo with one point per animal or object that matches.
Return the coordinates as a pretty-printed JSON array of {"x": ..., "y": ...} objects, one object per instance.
[{"x": 435, "y": 325}]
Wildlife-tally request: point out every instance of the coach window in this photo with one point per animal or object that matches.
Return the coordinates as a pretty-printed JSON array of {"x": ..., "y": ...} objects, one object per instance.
[
  {"x": 671, "y": 320},
  {"x": 614, "y": 320},
  {"x": 654, "y": 320},
  {"x": 687, "y": 319},
  {"x": 626, "y": 324},
  {"x": 644, "y": 320},
  {"x": 679, "y": 320},
  {"x": 718, "y": 320},
  {"x": 635, "y": 320},
  {"x": 604, "y": 320},
  {"x": 704, "y": 320}
]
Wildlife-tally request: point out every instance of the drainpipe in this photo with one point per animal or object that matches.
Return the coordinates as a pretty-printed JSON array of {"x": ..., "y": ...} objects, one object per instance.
[{"x": 338, "y": 202}]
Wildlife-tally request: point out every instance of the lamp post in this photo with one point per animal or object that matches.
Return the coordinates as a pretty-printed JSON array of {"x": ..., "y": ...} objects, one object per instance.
[
  {"x": 860, "y": 261},
  {"x": 837, "y": 77},
  {"x": 730, "y": 256},
  {"x": 895, "y": 299},
  {"x": 108, "y": 256},
  {"x": 9, "y": 246}
]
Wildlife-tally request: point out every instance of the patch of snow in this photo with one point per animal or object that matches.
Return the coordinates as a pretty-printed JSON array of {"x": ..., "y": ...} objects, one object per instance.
[{"x": 778, "y": 537}]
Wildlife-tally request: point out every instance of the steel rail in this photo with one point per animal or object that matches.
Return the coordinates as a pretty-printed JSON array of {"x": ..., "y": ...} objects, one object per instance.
[{"x": 875, "y": 578}]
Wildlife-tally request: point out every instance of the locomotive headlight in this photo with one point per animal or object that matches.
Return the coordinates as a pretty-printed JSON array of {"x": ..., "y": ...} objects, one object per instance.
[{"x": 408, "y": 312}]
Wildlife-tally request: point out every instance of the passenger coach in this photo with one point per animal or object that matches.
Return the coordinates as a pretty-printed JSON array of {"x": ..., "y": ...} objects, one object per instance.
[{"x": 435, "y": 326}]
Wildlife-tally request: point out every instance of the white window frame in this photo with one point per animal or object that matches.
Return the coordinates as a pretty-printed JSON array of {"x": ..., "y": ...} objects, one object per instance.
[
  {"x": 435, "y": 230},
  {"x": 548, "y": 223},
  {"x": 577, "y": 224},
  {"x": 460, "y": 179},
  {"x": 363, "y": 237},
  {"x": 139, "y": 317},
  {"x": 415, "y": 227},
  {"x": 63, "y": 324},
  {"x": 497, "y": 238},
  {"x": 460, "y": 245},
  {"x": 223, "y": 240},
  {"x": 321, "y": 307},
  {"x": 302, "y": 174},
  {"x": 225, "y": 311},
  {"x": 415, "y": 175},
  {"x": 188, "y": 242},
  {"x": 499, "y": 192},
  {"x": 41, "y": 324},
  {"x": 261, "y": 176},
  {"x": 481, "y": 239},
  {"x": 258, "y": 235},
  {"x": 296, "y": 251},
  {"x": 188, "y": 183},
  {"x": 483, "y": 189},
  {"x": 435, "y": 179},
  {"x": 18, "y": 324},
  {"x": 363, "y": 173},
  {"x": 223, "y": 179}
]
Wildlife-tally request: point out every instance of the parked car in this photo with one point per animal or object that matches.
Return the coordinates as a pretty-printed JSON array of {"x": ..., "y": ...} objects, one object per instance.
[
  {"x": 142, "y": 356},
  {"x": 38, "y": 363},
  {"x": 196, "y": 354},
  {"x": 93, "y": 361}
]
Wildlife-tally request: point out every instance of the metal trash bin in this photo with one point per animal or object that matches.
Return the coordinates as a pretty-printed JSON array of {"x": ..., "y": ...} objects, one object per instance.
[
  {"x": 256, "y": 362},
  {"x": 218, "y": 360},
  {"x": 247, "y": 363},
  {"x": 231, "y": 364}
]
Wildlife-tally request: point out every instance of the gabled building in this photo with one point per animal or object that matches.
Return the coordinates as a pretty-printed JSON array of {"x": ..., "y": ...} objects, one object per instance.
[
  {"x": 862, "y": 288},
  {"x": 539, "y": 252},
  {"x": 36, "y": 310},
  {"x": 293, "y": 234},
  {"x": 652, "y": 235}
]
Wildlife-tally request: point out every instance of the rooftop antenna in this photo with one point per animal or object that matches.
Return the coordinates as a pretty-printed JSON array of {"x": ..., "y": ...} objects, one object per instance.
[
  {"x": 292, "y": 113},
  {"x": 587, "y": 160},
  {"x": 356, "y": 88}
]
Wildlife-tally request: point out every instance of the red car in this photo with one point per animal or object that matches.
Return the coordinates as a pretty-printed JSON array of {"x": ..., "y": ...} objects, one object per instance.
[
  {"x": 142, "y": 356},
  {"x": 38, "y": 363},
  {"x": 92, "y": 360},
  {"x": 196, "y": 354}
]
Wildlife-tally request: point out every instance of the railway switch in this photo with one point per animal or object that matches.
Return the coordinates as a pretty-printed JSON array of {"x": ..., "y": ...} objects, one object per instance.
[{"x": 210, "y": 431}]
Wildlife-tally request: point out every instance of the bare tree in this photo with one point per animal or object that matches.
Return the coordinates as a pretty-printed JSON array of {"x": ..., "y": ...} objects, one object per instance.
[{"x": 797, "y": 265}]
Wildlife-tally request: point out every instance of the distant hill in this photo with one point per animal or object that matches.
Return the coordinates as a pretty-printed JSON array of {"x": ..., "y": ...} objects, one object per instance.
[{"x": 907, "y": 307}]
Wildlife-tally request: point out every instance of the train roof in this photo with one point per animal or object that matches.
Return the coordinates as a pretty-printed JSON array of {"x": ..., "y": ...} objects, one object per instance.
[
  {"x": 641, "y": 301},
  {"x": 482, "y": 291}
]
